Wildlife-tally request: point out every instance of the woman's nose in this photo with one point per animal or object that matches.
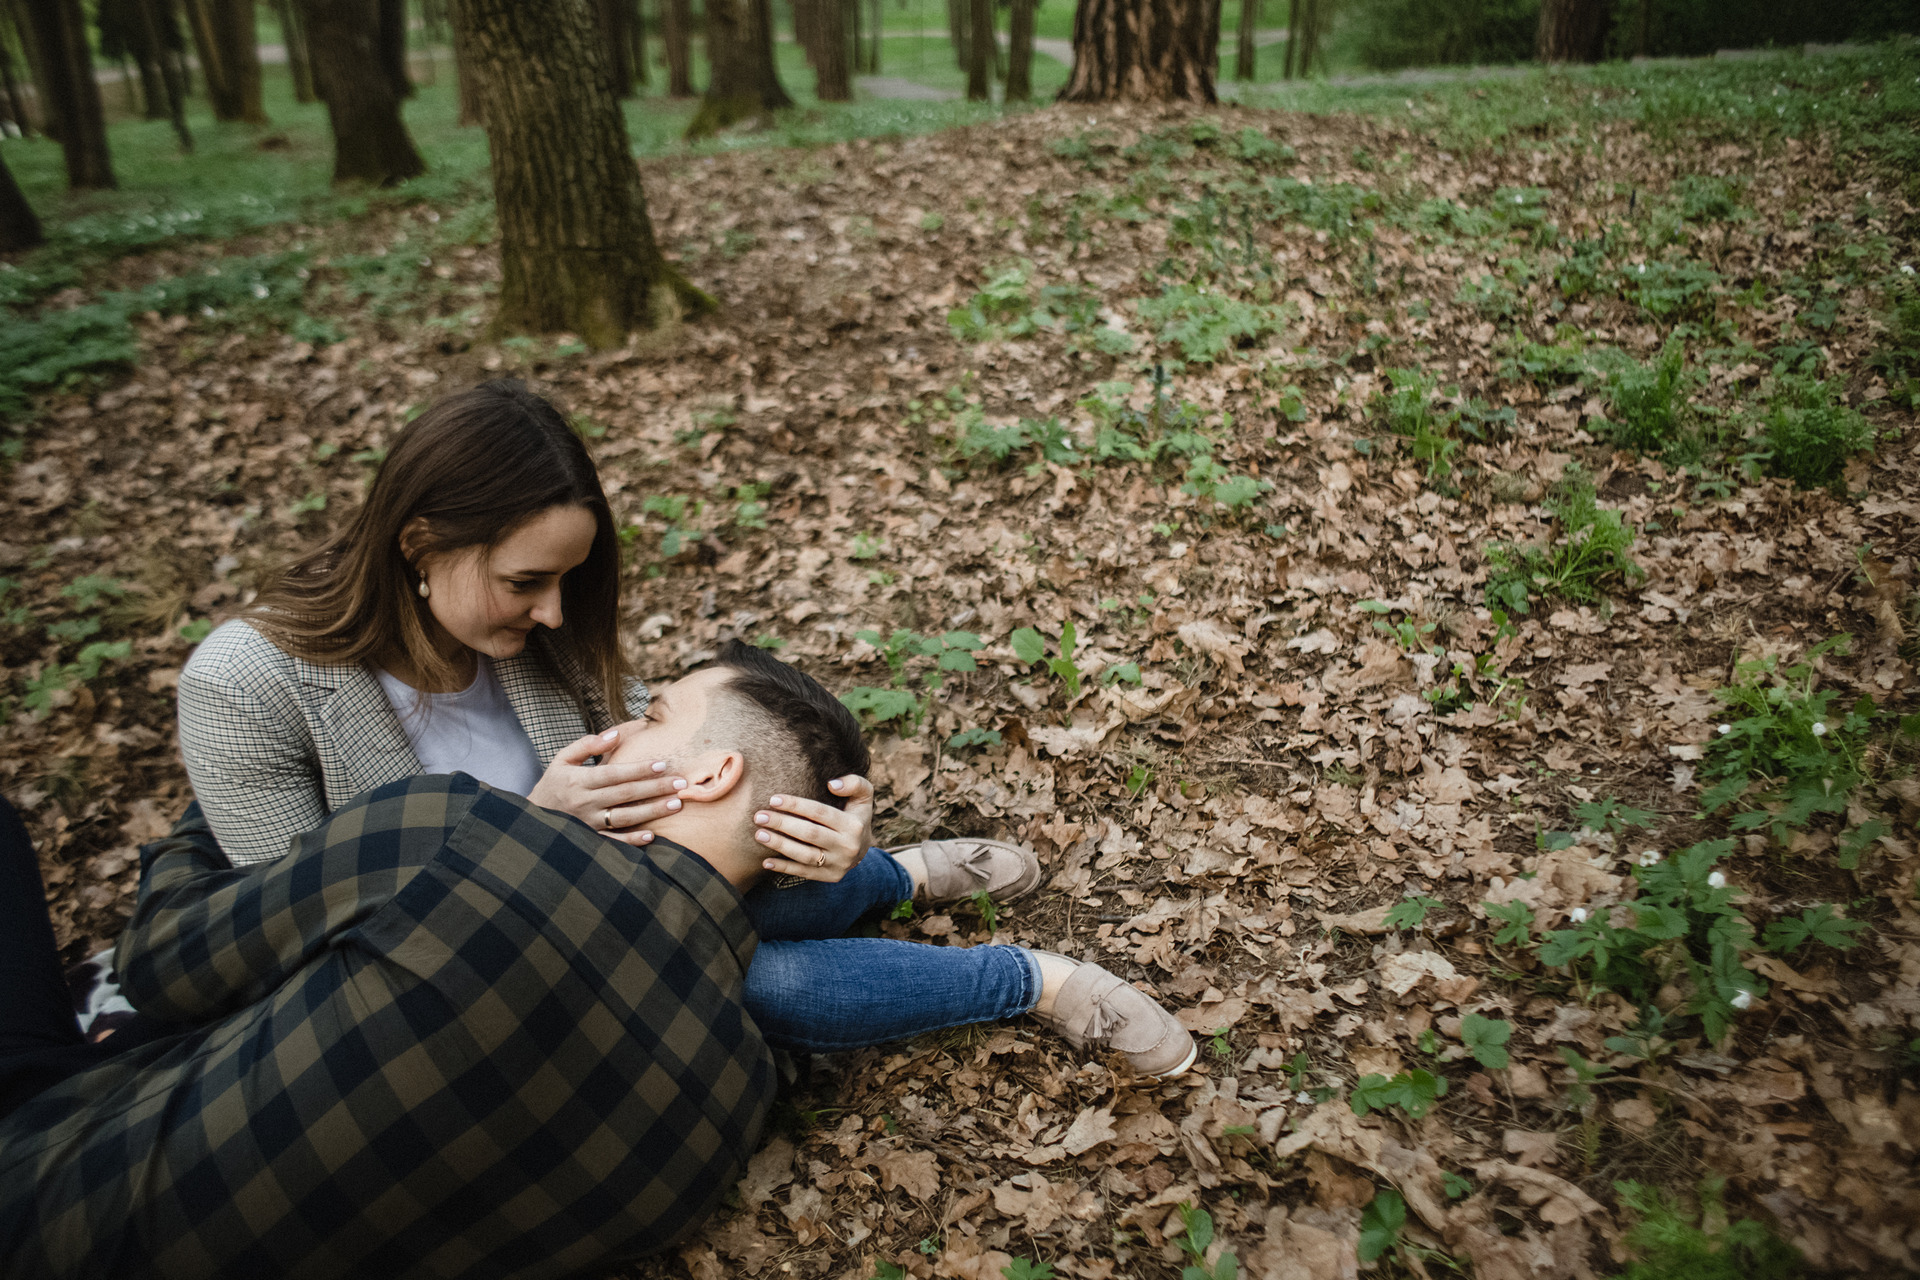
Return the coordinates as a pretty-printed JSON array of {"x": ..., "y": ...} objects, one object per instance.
[{"x": 547, "y": 611}]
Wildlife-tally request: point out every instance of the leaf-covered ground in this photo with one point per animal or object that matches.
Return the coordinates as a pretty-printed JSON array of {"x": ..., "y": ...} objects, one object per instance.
[{"x": 1387, "y": 508}]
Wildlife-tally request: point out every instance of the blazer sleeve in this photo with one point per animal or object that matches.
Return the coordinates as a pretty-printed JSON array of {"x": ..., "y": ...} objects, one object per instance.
[
  {"x": 248, "y": 751},
  {"x": 207, "y": 939}
]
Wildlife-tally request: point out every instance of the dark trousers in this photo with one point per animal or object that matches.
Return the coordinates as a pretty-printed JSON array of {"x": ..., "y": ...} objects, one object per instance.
[{"x": 40, "y": 1040}]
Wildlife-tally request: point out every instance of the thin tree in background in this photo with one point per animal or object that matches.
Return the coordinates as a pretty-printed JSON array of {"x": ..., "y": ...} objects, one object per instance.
[
  {"x": 224, "y": 38},
  {"x": 1144, "y": 51},
  {"x": 121, "y": 42},
  {"x": 467, "y": 77},
  {"x": 299, "y": 60},
  {"x": 676, "y": 37},
  {"x": 981, "y": 51},
  {"x": 1573, "y": 30},
  {"x": 19, "y": 228},
  {"x": 1020, "y": 51},
  {"x": 159, "y": 35},
  {"x": 16, "y": 99},
  {"x": 1246, "y": 57},
  {"x": 959, "y": 21},
  {"x": 741, "y": 81},
  {"x": 72, "y": 92},
  {"x": 1306, "y": 20},
  {"x": 393, "y": 46},
  {"x": 637, "y": 26},
  {"x": 370, "y": 141},
  {"x": 826, "y": 25},
  {"x": 577, "y": 252},
  {"x": 614, "y": 18}
]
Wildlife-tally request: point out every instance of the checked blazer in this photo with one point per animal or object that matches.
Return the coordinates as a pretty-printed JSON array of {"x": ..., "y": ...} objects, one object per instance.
[
  {"x": 274, "y": 743},
  {"x": 453, "y": 1034}
]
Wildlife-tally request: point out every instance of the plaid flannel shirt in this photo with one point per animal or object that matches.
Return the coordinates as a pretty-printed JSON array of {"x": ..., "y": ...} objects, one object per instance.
[
  {"x": 454, "y": 1034},
  {"x": 274, "y": 743}
]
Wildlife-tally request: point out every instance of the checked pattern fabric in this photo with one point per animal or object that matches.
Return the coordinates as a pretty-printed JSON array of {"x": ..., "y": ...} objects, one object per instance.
[{"x": 453, "y": 1034}]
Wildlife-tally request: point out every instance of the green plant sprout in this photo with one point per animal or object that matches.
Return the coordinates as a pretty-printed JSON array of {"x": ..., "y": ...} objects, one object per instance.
[
  {"x": 1486, "y": 1039},
  {"x": 1196, "y": 1237},
  {"x": 1415, "y": 1092},
  {"x": 1031, "y": 648},
  {"x": 1411, "y": 912}
]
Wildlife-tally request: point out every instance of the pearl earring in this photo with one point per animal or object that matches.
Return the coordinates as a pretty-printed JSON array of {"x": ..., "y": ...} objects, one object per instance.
[{"x": 424, "y": 593}]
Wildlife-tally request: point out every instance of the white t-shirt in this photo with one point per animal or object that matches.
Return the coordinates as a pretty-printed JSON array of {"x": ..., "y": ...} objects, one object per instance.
[{"x": 473, "y": 731}]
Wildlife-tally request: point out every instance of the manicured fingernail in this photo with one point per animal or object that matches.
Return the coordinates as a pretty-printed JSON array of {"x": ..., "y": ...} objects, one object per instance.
[
  {"x": 760, "y": 817},
  {"x": 673, "y": 803},
  {"x": 776, "y": 801},
  {"x": 659, "y": 766},
  {"x": 679, "y": 784},
  {"x": 765, "y": 837},
  {"x": 646, "y": 837},
  {"x": 610, "y": 735},
  {"x": 837, "y": 783},
  {"x": 770, "y": 866}
]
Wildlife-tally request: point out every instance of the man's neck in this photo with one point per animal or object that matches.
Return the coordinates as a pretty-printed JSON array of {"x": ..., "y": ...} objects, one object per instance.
[{"x": 713, "y": 837}]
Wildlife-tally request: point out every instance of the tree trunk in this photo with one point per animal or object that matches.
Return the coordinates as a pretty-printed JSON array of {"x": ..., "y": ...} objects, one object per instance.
[
  {"x": 676, "y": 35},
  {"x": 16, "y": 100},
  {"x": 879, "y": 31},
  {"x": 1246, "y": 57},
  {"x": 73, "y": 94},
  {"x": 19, "y": 228},
  {"x": 393, "y": 46},
  {"x": 299, "y": 60},
  {"x": 467, "y": 74},
  {"x": 154, "y": 34},
  {"x": 1144, "y": 51},
  {"x": 959, "y": 18},
  {"x": 980, "y": 51},
  {"x": 370, "y": 142},
  {"x": 612, "y": 17},
  {"x": 232, "y": 29},
  {"x": 1020, "y": 52},
  {"x": 743, "y": 81},
  {"x": 827, "y": 26},
  {"x": 1573, "y": 30},
  {"x": 577, "y": 251},
  {"x": 637, "y": 25}
]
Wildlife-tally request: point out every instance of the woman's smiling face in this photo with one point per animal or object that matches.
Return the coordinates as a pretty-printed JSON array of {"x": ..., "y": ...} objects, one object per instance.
[{"x": 491, "y": 600}]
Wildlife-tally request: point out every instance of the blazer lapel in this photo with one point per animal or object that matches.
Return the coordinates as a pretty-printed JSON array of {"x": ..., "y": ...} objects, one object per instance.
[
  {"x": 373, "y": 748},
  {"x": 544, "y": 708}
]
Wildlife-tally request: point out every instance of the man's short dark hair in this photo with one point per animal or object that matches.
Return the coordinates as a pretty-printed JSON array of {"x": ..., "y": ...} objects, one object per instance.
[{"x": 800, "y": 737}]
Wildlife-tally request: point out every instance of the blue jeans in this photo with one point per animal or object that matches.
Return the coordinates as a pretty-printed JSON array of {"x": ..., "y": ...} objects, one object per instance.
[{"x": 814, "y": 991}]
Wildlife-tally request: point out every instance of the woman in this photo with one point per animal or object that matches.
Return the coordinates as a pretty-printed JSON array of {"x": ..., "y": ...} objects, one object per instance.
[{"x": 466, "y": 619}]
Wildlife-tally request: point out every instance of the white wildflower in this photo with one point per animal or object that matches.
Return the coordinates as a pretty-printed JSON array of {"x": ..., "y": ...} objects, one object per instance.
[
  {"x": 1906, "y": 268},
  {"x": 1819, "y": 729},
  {"x": 1578, "y": 915},
  {"x": 1718, "y": 880},
  {"x": 260, "y": 291},
  {"x": 1742, "y": 999},
  {"x": 1725, "y": 729},
  {"x": 1303, "y": 1098},
  {"x": 1650, "y": 858}
]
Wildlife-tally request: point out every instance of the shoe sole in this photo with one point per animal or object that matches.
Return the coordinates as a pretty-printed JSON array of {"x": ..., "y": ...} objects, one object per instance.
[{"x": 1193, "y": 1052}]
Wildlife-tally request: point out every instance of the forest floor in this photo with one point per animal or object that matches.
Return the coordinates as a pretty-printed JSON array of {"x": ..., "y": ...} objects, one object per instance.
[{"x": 1364, "y": 524}]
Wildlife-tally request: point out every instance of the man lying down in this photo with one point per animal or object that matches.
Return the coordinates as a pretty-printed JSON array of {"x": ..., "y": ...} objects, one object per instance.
[{"x": 453, "y": 1034}]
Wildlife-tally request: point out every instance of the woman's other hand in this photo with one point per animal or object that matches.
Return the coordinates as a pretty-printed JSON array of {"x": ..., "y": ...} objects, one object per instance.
[
  {"x": 817, "y": 841},
  {"x": 616, "y": 800}
]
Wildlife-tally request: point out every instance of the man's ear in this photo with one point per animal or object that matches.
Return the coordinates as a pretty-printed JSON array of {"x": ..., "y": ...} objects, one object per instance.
[{"x": 713, "y": 777}]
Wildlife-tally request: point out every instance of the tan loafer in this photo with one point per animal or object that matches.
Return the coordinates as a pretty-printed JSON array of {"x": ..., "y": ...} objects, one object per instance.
[
  {"x": 1095, "y": 1007},
  {"x": 959, "y": 869}
]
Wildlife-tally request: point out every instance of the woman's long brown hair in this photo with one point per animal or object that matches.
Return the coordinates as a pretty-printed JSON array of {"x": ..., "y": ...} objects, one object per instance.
[{"x": 474, "y": 466}]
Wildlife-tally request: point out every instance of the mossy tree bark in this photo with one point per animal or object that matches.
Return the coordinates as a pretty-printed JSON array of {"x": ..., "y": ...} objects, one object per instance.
[
  {"x": 676, "y": 34},
  {"x": 616, "y": 20},
  {"x": 370, "y": 142},
  {"x": 577, "y": 252},
  {"x": 1144, "y": 51},
  {"x": 743, "y": 82},
  {"x": 19, "y": 228},
  {"x": 1246, "y": 56},
  {"x": 1573, "y": 30},
  {"x": 72, "y": 93},
  {"x": 1020, "y": 51}
]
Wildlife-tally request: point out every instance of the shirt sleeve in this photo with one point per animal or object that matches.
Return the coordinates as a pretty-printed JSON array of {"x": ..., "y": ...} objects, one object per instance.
[
  {"x": 251, "y": 763},
  {"x": 207, "y": 939}
]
